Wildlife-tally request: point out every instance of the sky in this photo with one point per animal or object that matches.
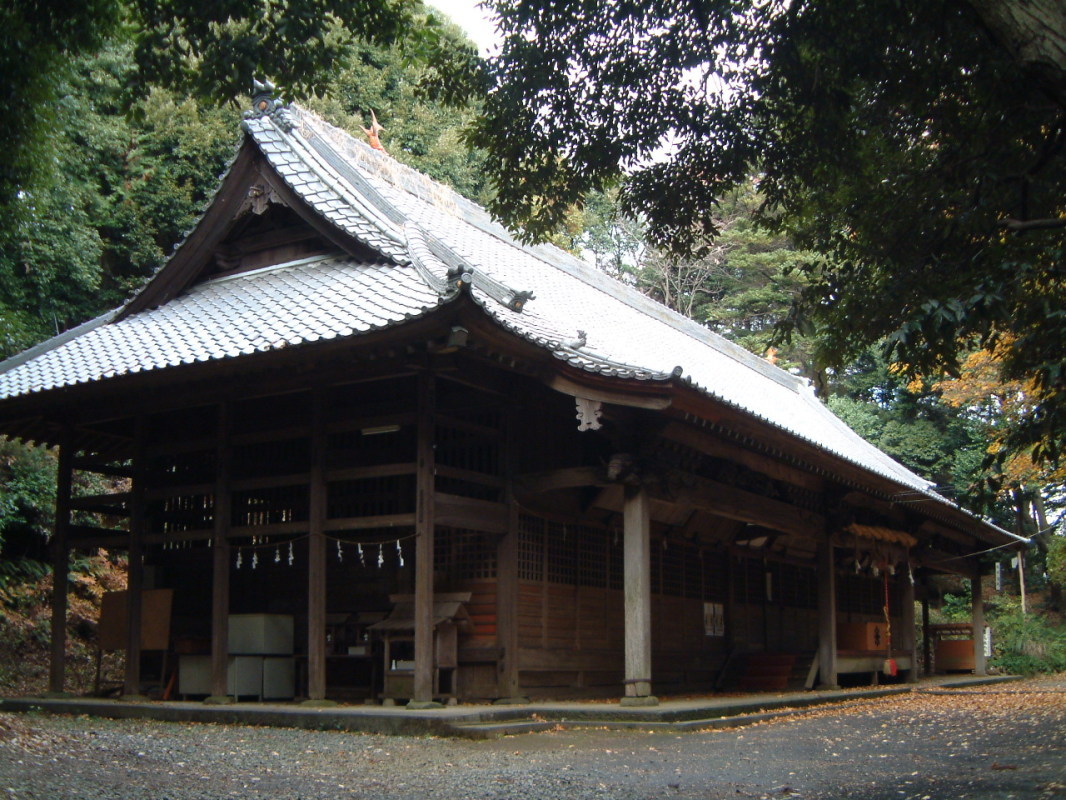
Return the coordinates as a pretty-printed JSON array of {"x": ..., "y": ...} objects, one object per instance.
[{"x": 471, "y": 18}]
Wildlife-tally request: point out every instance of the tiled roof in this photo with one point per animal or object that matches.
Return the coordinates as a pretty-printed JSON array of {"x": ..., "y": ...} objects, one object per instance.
[
  {"x": 433, "y": 240},
  {"x": 268, "y": 309}
]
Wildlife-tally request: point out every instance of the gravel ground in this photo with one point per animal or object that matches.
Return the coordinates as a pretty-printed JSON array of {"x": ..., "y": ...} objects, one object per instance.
[{"x": 1004, "y": 741}]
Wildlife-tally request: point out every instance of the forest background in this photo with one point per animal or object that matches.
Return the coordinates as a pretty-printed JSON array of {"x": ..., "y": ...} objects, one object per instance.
[{"x": 121, "y": 160}]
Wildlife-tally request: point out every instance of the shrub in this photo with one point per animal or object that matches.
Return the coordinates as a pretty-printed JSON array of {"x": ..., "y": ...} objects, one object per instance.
[{"x": 1026, "y": 645}]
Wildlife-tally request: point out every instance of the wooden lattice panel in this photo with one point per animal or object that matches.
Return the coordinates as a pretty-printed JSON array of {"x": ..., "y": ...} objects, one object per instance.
[
  {"x": 462, "y": 555},
  {"x": 270, "y": 506},
  {"x": 371, "y": 497}
]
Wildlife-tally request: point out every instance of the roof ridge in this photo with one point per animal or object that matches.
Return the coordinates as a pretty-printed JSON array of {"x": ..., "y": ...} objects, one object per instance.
[{"x": 388, "y": 169}]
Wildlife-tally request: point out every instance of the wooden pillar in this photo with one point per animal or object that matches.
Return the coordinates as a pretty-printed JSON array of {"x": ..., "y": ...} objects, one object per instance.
[
  {"x": 507, "y": 686},
  {"x": 927, "y": 644},
  {"x": 827, "y": 617},
  {"x": 60, "y": 565},
  {"x": 636, "y": 532},
  {"x": 221, "y": 561},
  {"x": 424, "y": 529},
  {"x": 908, "y": 638},
  {"x": 316, "y": 557},
  {"x": 978, "y": 619},
  {"x": 135, "y": 568}
]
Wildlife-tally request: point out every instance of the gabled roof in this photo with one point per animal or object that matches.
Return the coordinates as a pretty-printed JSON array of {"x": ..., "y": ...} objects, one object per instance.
[{"x": 432, "y": 244}]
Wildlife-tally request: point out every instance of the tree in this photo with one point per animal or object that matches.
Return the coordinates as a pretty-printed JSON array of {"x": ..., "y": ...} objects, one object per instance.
[
  {"x": 916, "y": 145},
  {"x": 210, "y": 50}
]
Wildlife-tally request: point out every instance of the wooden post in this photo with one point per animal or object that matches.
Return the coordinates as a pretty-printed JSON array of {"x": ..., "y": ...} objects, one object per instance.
[
  {"x": 60, "y": 565},
  {"x": 1021, "y": 580},
  {"x": 135, "y": 568},
  {"x": 636, "y": 525},
  {"x": 424, "y": 522},
  {"x": 316, "y": 557},
  {"x": 507, "y": 687},
  {"x": 908, "y": 639},
  {"x": 978, "y": 619},
  {"x": 927, "y": 644},
  {"x": 827, "y": 617},
  {"x": 220, "y": 561}
]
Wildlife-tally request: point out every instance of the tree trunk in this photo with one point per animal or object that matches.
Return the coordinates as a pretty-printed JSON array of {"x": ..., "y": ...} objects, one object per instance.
[{"x": 1034, "y": 32}]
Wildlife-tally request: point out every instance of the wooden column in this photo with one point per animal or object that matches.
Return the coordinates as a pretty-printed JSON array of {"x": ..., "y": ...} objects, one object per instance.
[
  {"x": 636, "y": 532},
  {"x": 316, "y": 557},
  {"x": 221, "y": 561},
  {"x": 135, "y": 568},
  {"x": 927, "y": 644},
  {"x": 424, "y": 522},
  {"x": 827, "y": 617},
  {"x": 908, "y": 638},
  {"x": 978, "y": 618},
  {"x": 60, "y": 566},
  {"x": 507, "y": 686}
]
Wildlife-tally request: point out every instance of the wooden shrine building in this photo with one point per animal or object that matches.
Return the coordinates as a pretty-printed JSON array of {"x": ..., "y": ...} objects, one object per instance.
[{"x": 352, "y": 401}]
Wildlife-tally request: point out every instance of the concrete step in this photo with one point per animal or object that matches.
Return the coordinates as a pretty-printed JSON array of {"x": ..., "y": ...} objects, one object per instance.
[{"x": 494, "y": 730}]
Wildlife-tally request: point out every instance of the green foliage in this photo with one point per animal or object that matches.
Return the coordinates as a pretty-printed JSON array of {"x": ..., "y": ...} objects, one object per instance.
[
  {"x": 1056, "y": 559},
  {"x": 910, "y": 423},
  {"x": 1027, "y": 644},
  {"x": 27, "y": 499},
  {"x": 418, "y": 131},
  {"x": 79, "y": 246},
  {"x": 894, "y": 139}
]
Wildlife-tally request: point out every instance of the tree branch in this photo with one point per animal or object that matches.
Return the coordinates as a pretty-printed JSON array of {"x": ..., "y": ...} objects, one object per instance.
[{"x": 1019, "y": 225}]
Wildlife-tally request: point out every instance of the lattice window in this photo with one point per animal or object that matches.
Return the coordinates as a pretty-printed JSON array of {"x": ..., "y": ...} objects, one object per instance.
[
  {"x": 656, "y": 566},
  {"x": 271, "y": 413},
  {"x": 270, "y": 506},
  {"x": 371, "y": 497},
  {"x": 591, "y": 557},
  {"x": 472, "y": 489},
  {"x": 180, "y": 469},
  {"x": 355, "y": 448},
  {"x": 194, "y": 512},
  {"x": 672, "y": 560},
  {"x": 715, "y": 567},
  {"x": 692, "y": 571},
  {"x": 465, "y": 449},
  {"x": 395, "y": 395},
  {"x": 562, "y": 553},
  {"x": 183, "y": 424},
  {"x": 464, "y": 554},
  {"x": 262, "y": 459},
  {"x": 530, "y": 548},
  {"x": 615, "y": 566}
]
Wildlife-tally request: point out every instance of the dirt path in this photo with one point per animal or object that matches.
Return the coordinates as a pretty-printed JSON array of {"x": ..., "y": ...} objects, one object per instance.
[{"x": 1006, "y": 741}]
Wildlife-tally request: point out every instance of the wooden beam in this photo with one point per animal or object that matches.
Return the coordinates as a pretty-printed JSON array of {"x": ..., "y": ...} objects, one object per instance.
[
  {"x": 466, "y": 512},
  {"x": 714, "y": 446},
  {"x": 732, "y": 503},
  {"x": 564, "y": 478},
  {"x": 316, "y": 560},
  {"x": 60, "y": 566},
  {"x": 135, "y": 567},
  {"x": 424, "y": 529},
  {"x": 220, "y": 552},
  {"x": 635, "y": 399},
  {"x": 636, "y": 522},
  {"x": 827, "y": 615}
]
